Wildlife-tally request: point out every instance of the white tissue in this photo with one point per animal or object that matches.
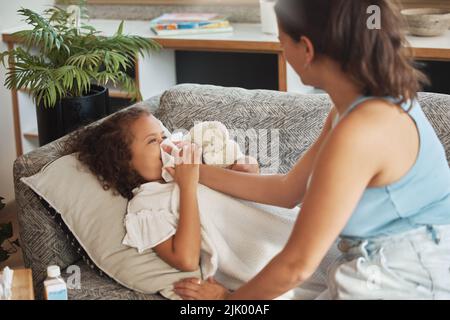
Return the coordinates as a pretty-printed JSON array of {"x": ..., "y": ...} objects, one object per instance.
[
  {"x": 6, "y": 280},
  {"x": 168, "y": 160}
]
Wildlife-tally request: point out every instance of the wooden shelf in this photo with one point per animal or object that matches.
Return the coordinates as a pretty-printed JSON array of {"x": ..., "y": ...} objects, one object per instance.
[
  {"x": 115, "y": 93},
  {"x": 245, "y": 38},
  {"x": 22, "y": 286},
  {"x": 32, "y": 134}
]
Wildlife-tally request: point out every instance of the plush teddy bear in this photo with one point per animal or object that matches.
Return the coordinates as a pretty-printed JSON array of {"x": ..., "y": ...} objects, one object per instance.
[{"x": 214, "y": 138}]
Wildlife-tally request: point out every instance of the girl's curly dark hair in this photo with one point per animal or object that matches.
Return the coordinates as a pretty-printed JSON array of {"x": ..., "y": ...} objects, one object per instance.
[{"x": 105, "y": 149}]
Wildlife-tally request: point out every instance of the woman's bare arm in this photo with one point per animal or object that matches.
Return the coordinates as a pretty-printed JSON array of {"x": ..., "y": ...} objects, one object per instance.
[
  {"x": 349, "y": 159},
  {"x": 346, "y": 164},
  {"x": 283, "y": 190}
]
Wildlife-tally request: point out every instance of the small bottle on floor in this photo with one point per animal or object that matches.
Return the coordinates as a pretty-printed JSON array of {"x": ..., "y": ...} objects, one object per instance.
[{"x": 55, "y": 287}]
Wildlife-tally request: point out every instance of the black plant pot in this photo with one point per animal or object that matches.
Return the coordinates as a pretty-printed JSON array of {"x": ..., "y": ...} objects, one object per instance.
[{"x": 70, "y": 114}]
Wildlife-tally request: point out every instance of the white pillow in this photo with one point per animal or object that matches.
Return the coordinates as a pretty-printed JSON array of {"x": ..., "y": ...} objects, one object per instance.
[{"x": 96, "y": 219}]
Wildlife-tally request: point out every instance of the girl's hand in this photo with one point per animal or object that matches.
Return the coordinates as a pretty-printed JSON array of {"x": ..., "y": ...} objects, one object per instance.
[
  {"x": 179, "y": 144},
  {"x": 187, "y": 163},
  {"x": 195, "y": 289}
]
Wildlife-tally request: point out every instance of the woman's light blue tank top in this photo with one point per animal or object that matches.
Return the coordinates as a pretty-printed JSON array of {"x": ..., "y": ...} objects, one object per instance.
[{"x": 421, "y": 197}]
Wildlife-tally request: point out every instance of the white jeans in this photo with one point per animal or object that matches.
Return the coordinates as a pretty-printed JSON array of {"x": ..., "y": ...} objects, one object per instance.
[{"x": 410, "y": 265}]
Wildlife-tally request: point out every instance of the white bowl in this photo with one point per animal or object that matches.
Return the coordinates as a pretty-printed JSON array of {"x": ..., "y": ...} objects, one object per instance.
[{"x": 427, "y": 22}]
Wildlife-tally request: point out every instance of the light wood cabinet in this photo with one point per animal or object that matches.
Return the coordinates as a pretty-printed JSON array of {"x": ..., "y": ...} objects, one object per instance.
[
  {"x": 425, "y": 3},
  {"x": 405, "y": 3}
]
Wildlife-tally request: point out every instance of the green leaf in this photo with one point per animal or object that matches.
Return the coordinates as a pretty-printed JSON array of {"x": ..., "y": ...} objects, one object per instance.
[
  {"x": 91, "y": 29},
  {"x": 120, "y": 29},
  {"x": 3, "y": 56}
]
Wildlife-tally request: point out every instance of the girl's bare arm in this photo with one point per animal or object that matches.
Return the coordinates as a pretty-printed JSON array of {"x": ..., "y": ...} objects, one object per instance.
[{"x": 182, "y": 251}]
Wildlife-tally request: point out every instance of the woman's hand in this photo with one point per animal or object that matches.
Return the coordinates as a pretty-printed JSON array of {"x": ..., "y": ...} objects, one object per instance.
[
  {"x": 195, "y": 289},
  {"x": 247, "y": 164},
  {"x": 187, "y": 163}
]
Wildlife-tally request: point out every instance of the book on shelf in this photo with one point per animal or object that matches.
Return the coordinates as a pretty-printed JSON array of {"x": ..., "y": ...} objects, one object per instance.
[
  {"x": 169, "y": 17},
  {"x": 188, "y": 23},
  {"x": 192, "y": 31}
]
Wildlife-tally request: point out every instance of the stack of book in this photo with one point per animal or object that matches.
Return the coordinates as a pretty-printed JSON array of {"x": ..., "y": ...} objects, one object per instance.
[{"x": 189, "y": 23}]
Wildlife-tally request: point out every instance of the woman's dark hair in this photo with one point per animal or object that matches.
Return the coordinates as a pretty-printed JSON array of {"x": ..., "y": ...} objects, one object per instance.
[
  {"x": 106, "y": 150},
  {"x": 376, "y": 59}
]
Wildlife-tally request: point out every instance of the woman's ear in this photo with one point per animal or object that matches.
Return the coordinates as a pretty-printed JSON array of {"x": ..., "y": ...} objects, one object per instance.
[{"x": 309, "y": 50}]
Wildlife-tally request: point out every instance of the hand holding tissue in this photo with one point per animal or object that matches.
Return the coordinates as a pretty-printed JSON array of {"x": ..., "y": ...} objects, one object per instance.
[{"x": 213, "y": 137}]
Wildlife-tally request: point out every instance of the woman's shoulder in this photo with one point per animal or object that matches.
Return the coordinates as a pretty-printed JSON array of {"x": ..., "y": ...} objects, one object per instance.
[
  {"x": 380, "y": 132},
  {"x": 372, "y": 117},
  {"x": 365, "y": 130}
]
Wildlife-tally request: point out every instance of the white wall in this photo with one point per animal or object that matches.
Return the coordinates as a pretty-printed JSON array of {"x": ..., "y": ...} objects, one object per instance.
[{"x": 8, "y": 19}]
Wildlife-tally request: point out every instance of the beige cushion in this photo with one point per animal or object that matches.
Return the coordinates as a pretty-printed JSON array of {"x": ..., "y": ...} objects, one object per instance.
[{"x": 96, "y": 219}]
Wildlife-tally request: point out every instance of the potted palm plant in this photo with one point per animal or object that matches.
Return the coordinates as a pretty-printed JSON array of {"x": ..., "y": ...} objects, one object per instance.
[{"x": 66, "y": 65}]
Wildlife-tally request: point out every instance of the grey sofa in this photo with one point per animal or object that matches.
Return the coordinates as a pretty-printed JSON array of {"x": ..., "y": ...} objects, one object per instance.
[{"x": 293, "y": 121}]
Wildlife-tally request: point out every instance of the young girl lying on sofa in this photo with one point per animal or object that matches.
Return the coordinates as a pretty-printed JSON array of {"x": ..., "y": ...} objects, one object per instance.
[{"x": 188, "y": 225}]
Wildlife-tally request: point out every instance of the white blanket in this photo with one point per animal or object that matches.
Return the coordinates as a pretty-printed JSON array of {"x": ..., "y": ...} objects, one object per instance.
[
  {"x": 243, "y": 237},
  {"x": 238, "y": 237}
]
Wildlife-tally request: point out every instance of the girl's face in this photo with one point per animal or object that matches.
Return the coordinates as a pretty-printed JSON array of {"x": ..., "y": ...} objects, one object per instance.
[{"x": 145, "y": 149}]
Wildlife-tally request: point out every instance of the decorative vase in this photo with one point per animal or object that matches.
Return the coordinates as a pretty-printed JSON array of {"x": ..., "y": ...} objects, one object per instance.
[{"x": 269, "y": 22}]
